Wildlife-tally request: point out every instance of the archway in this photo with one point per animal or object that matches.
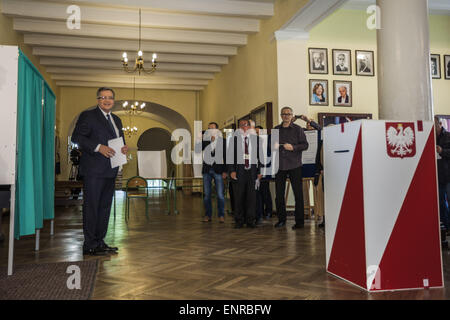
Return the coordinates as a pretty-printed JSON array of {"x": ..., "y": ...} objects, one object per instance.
[{"x": 158, "y": 139}]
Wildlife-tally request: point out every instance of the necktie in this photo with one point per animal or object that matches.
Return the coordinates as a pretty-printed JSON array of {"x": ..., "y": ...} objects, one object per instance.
[
  {"x": 111, "y": 125},
  {"x": 246, "y": 157}
]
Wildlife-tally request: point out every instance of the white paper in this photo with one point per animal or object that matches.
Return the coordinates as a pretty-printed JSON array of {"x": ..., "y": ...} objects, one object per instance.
[
  {"x": 119, "y": 158},
  {"x": 309, "y": 155}
]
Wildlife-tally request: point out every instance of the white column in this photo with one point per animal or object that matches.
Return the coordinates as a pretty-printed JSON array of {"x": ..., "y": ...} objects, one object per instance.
[
  {"x": 292, "y": 57},
  {"x": 404, "y": 79}
]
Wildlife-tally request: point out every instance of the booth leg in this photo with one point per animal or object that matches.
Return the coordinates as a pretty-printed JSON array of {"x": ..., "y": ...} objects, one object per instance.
[
  {"x": 11, "y": 230},
  {"x": 52, "y": 227},
  {"x": 38, "y": 238}
]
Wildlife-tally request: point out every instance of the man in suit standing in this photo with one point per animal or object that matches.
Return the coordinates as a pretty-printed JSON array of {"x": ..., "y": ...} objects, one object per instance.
[
  {"x": 245, "y": 170},
  {"x": 214, "y": 168},
  {"x": 292, "y": 141},
  {"x": 93, "y": 130}
]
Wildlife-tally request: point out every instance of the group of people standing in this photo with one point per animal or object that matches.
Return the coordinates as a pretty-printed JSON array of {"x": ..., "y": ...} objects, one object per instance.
[{"x": 249, "y": 184}]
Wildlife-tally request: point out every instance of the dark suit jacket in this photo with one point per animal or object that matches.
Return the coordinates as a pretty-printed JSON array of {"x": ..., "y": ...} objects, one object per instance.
[
  {"x": 255, "y": 169},
  {"x": 340, "y": 99},
  {"x": 93, "y": 129},
  {"x": 218, "y": 168}
]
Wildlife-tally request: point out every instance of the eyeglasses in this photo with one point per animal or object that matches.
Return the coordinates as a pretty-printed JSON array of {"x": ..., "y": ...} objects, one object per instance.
[
  {"x": 286, "y": 114},
  {"x": 105, "y": 98}
]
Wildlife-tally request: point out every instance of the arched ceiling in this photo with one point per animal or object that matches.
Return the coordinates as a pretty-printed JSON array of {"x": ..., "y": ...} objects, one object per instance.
[{"x": 194, "y": 39}]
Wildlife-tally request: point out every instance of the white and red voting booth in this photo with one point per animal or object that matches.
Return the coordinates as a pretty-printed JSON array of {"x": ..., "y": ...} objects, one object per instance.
[{"x": 381, "y": 205}]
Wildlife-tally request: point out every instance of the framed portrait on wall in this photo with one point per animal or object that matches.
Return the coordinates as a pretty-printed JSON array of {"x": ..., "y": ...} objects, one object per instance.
[
  {"x": 342, "y": 93},
  {"x": 447, "y": 67},
  {"x": 435, "y": 64},
  {"x": 342, "y": 62},
  {"x": 328, "y": 119},
  {"x": 318, "y": 60},
  {"x": 318, "y": 92},
  {"x": 365, "y": 64}
]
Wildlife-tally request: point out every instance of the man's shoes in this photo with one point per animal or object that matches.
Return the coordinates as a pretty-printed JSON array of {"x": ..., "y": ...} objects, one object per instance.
[
  {"x": 259, "y": 221},
  {"x": 207, "y": 219},
  {"x": 2, "y": 237},
  {"x": 238, "y": 226},
  {"x": 297, "y": 226},
  {"x": 221, "y": 219},
  {"x": 251, "y": 225},
  {"x": 321, "y": 225},
  {"x": 280, "y": 224},
  {"x": 94, "y": 252},
  {"x": 107, "y": 248}
]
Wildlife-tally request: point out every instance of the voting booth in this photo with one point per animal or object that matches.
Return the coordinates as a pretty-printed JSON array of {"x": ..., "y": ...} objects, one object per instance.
[
  {"x": 27, "y": 143},
  {"x": 381, "y": 202},
  {"x": 152, "y": 164}
]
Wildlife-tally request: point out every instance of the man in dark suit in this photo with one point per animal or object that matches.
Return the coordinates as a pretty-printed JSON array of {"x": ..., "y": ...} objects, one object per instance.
[
  {"x": 214, "y": 168},
  {"x": 244, "y": 169},
  {"x": 93, "y": 130}
]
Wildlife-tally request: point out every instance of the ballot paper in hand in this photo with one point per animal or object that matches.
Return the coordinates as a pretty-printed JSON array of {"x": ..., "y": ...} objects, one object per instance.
[{"x": 119, "y": 158}]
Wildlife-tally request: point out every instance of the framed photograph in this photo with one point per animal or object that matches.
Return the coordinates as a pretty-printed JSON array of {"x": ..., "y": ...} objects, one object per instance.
[
  {"x": 435, "y": 66},
  {"x": 318, "y": 92},
  {"x": 342, "y": 93},
  {"x": 365, "y": 65},
  {"x": 328, "y": 119},
  {"x": 318, "y": 60},
  {"x": 342, "y": 62},
  {"x": 447, "y": 67}
]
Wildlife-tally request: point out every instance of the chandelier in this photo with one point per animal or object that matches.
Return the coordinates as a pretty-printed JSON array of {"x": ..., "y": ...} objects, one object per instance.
[
  {"x": 130, "y": 131},
  {"x": 139, "y": 65},
  {"x": 135, "y": 107}
]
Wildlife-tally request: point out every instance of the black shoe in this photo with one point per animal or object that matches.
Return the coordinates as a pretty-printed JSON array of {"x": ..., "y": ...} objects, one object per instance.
[
  {"x": 94, "y": 252},
  {"x": 2, "y": 237},
  {"x": 251, "y": 225},
  {"x": 107, "y": 248},
  {"x": 321, "y": 225},
  {"x": 297, "y": 226},
  {"x": 280, "y": 224},
  {"x": 238, "y": 225}
]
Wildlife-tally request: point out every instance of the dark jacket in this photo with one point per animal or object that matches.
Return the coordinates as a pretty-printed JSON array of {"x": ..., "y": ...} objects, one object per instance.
[
  {"x": 93, "y": 129},
  {"x": 295, "y": 136},
  {"x": 218, "y": 168},
  {"x": 238, "y": 166},
  {"x": 443, "y": 140}
]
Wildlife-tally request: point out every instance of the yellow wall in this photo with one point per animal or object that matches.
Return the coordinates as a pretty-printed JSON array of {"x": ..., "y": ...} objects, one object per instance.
[
  {"x": 250, "y": 78},
  {"x": 346, "y": 29},
  {"x": 74, "y": 100}
]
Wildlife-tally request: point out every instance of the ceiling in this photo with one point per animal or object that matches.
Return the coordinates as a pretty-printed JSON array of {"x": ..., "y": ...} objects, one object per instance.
[
  {"x": 194, "y": 39},
  {"x": 435, "y": 6}
]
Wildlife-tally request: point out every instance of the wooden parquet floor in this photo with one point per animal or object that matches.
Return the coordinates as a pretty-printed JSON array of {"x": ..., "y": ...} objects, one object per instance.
[{"x": 180, "y": 257}]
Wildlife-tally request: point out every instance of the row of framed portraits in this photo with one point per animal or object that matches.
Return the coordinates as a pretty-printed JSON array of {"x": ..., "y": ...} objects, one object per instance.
[
  {"x": 436, "y": 66},
  {"x": 342, "y": 93},
  {"x": 342, "y": 62}
]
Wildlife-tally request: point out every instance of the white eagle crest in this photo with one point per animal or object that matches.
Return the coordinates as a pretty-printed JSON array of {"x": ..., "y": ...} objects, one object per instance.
[{"x": 400, "y": 139}]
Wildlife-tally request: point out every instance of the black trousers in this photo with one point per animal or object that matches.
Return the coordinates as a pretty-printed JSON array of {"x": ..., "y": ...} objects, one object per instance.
[
  {"x": 263, "y": 200},
  {"x": 295, "y": 176},
  {"x": 97, "y": 193},
  {"x": 245, "y": 204}
]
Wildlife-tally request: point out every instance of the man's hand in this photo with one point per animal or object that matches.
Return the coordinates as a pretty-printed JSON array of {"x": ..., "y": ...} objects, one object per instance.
[
  {"x": 438, "y": 149},
  {"x": 233, "y": 175},
  {"x": 288, "y": 147},
  {"x": 106, "y": 151},
  {"x": 224, "y": 175},
  {"x": 124, "y": 149},
  {"x": 259, "y": 176}
]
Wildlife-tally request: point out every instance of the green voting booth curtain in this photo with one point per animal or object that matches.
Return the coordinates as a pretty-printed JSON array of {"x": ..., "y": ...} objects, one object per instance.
[
  {"x": 49, "y": 153},
  {"x": 35, "y": 180}
]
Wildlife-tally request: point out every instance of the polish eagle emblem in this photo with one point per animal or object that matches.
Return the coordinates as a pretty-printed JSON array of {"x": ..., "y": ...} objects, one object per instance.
[{"x": 400, "y": 139}]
